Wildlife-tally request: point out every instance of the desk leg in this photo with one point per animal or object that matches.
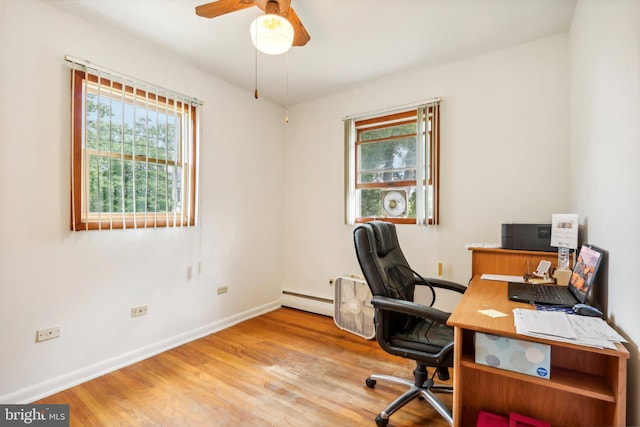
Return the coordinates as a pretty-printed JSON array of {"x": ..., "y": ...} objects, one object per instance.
[
  {"x": 620, "y": 385},
  {"x": 457, "y": 377}
]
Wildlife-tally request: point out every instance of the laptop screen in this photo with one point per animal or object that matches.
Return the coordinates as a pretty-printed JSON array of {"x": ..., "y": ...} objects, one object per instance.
[{"x": 584, "y": 272}]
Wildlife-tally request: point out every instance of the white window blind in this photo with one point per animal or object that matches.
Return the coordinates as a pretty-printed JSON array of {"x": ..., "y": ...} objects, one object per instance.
[{"x": 134, "y": 152}]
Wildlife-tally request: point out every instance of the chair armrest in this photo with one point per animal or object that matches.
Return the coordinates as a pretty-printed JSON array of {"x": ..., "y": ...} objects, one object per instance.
[
  {"x": 410, "y": 307},
  {"x": 441, "y": 283}
]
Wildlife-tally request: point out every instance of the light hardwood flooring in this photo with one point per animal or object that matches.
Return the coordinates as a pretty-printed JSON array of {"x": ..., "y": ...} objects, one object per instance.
[{"x": 284, "y": 368}]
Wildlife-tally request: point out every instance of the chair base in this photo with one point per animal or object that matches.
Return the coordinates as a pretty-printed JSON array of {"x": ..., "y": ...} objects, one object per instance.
[{"x": 425, "y": 390}]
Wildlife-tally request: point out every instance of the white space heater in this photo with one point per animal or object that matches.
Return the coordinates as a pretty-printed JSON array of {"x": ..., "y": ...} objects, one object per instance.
[{"x": 353, "y": 311}]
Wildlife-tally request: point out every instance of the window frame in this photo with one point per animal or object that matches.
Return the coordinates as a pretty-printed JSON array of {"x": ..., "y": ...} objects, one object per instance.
[
  {"x": 427, "y": 162},
  {"x": 188, "y": 115}
]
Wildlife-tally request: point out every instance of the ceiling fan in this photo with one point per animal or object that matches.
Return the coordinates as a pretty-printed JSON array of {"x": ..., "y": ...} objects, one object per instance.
[{"x": 278, "y": 7}]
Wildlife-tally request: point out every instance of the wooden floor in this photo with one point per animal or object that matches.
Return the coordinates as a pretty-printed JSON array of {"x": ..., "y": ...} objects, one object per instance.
[{"x": 285, "y": 368}]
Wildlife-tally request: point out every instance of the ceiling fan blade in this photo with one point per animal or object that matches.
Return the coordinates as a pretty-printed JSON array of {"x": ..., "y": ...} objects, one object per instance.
[
  {"x": 300, "y": 35},
  {"x": 221, "y": 7}
]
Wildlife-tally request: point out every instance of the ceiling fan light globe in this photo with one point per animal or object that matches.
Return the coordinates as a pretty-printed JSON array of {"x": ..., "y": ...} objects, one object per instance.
[{"x": 271, "y": 34}]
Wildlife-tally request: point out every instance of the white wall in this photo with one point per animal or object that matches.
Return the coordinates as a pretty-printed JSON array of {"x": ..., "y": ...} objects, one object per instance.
[
  {"x": 86, "y": 282},
  {"x": 605, "y": 154},
  {"x": 504, "y": 158}
]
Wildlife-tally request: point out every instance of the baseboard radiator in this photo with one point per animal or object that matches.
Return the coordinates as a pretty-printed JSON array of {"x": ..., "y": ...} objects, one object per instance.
[
  {"x": 314, "y": 303},
  {"x": 310, "y": 303}
]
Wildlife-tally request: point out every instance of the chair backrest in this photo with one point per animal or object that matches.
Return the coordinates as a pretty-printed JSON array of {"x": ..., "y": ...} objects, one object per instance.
[{"x": 382, "y": 262}]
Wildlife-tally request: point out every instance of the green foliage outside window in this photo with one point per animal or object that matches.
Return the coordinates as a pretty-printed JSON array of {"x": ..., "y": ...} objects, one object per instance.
[{"x": 133, "y": 157}]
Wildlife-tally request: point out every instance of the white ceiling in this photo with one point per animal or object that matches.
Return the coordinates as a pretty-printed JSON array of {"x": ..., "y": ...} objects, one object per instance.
[{"x": 352, "y": 41}]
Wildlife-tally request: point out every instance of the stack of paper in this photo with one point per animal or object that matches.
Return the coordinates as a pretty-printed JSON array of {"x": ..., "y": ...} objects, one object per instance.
[{"x": 560, "y": 326}]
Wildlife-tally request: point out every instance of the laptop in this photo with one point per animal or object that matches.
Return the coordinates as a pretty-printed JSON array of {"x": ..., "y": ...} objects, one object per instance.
[{"x": 580, "y": 284}]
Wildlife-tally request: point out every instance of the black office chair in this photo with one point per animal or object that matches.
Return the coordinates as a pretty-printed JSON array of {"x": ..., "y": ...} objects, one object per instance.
[{"x": 405, "y": 328}]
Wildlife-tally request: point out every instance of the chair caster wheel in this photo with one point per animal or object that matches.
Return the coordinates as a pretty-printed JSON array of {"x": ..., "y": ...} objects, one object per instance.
[
  {"x": 370, "y": 383},
  {"x": 443, "y": 373},
  {"x": 381, "y": 422}
]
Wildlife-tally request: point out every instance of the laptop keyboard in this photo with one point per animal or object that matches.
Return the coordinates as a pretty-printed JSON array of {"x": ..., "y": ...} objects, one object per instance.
[
  {"x": 544, "y": 292},
  {"x": 550, "y": 293}
]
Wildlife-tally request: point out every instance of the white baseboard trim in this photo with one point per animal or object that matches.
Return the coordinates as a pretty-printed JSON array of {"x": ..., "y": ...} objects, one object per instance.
[
  {"x": 70, "y": 379},
  {"x": 307, "y": 303}
]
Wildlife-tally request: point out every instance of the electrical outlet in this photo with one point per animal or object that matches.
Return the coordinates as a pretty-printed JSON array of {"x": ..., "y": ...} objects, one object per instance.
[
  {"x": 47, "y": 334},
  {"x": 222, "y": 290},
  {"x": 189, "y": 273},
  {"x": 139, "y": 311}
]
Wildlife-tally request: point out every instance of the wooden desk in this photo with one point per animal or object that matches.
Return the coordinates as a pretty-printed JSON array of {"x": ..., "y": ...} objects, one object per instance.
[{"x": 587, "y": 386}]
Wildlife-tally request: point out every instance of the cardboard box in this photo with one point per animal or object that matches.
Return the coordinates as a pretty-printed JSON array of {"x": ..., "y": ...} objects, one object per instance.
[{"x": 513, "y": 355}]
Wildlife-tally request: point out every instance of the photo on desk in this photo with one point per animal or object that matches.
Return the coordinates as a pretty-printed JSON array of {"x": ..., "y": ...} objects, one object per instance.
[{"x": 564, "y": 230}]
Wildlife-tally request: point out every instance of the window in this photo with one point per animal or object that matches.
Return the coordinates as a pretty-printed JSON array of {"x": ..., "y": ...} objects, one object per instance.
[
  {"x": 133, "y": 154},
  {"x": 392, "y": 170}
]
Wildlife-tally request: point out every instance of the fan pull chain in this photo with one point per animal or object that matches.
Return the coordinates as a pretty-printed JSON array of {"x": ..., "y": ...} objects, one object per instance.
[
  {"x": 255, "y": 92},
  {"x": 286, "y": 94}
]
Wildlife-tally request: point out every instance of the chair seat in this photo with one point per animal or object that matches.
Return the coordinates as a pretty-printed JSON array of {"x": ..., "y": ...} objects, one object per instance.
[{"x": 424, "y": 336}]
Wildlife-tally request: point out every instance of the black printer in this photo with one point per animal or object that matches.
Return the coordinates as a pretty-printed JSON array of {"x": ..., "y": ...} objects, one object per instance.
[{"x": 529, "y": 237}]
